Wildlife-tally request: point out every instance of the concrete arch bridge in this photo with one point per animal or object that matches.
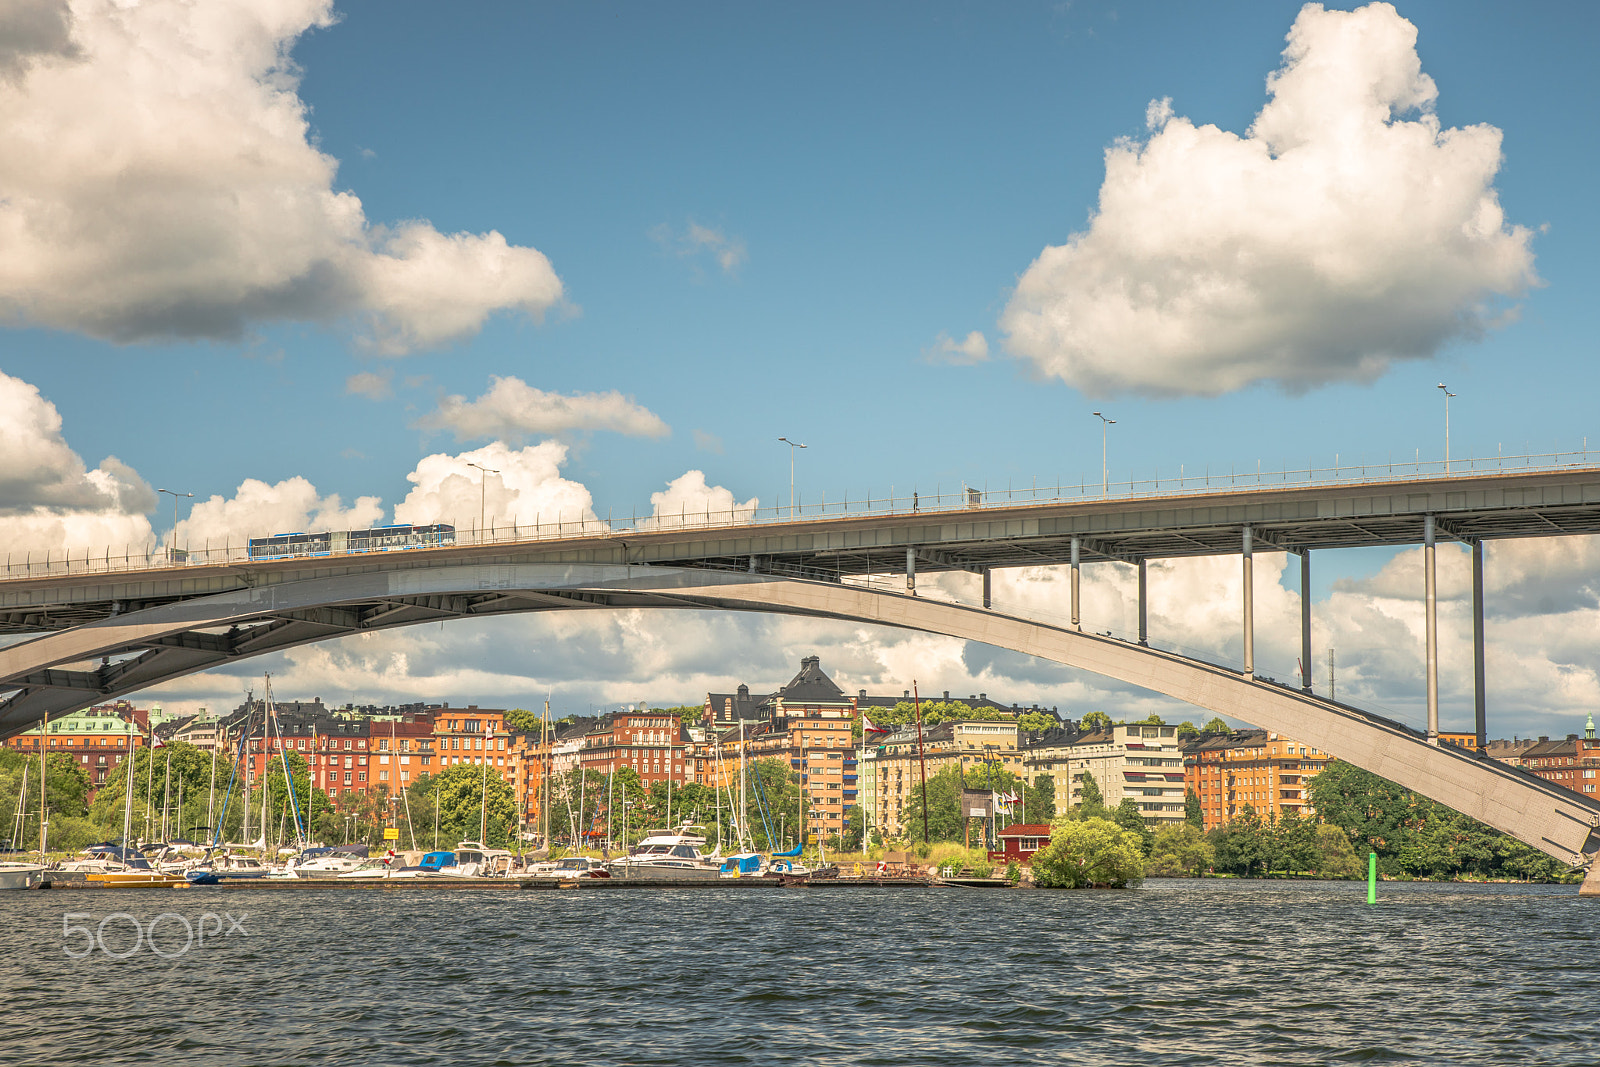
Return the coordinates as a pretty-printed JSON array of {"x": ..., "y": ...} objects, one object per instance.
[{"x": 110, "y": 634}]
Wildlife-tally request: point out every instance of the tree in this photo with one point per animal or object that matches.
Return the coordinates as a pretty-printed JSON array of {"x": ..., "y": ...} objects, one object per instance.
[
  {"x": 1335, "y": 857},
  {"x": 1180, "y": 851},
  {"x": 1088, "y": 852},
  {"x": 1188, "y": 729},
  {"x": 1095, "y": 720},
  {"x": 1216, "y": 726},
  {"x": 1191, "y": 810},
  {"x": 461, "y": 796},
  {"x": 1091, "y": 803},
  {"x": 1240, "y": 847},
  {"x": 1042, "y": 799},
  {"x": 943, "y": 807},
  {"x": 1035, "y": 722},
  {"x": 1130, "y": 818},
  {"x": 522, "y": 721},
  {"x": 1150, "y": 720}
]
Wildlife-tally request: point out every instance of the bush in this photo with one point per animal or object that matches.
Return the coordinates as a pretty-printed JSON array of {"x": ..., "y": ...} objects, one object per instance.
[{"x": 1089, "y": 852}]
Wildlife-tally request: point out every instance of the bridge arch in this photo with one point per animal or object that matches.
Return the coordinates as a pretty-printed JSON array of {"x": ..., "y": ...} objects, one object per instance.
[{"x": 171, "y": 640}]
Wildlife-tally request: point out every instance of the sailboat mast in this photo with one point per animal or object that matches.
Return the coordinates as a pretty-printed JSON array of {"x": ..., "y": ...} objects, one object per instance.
[
  {"x": 127, "y": 807},
  {"x": 921, "y": 758},
  {"x": 245, "y": 761},
  {"x": 44, "y": 773},
  {"x": 744, "y": 791},
  {"x": 544, "y": 774}
]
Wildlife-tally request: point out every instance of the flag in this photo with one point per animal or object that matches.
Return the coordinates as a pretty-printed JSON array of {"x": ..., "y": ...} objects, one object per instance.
[
  {"x": 868, "y": 728},
  {"x": 156, "y": 742}
]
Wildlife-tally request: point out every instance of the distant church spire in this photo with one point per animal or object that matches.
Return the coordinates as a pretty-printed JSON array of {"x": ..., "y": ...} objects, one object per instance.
[{"x": 1588, "y": 731}]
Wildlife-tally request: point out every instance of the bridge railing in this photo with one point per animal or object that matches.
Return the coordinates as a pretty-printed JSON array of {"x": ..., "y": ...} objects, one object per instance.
[{"x": 942, "y": 501}]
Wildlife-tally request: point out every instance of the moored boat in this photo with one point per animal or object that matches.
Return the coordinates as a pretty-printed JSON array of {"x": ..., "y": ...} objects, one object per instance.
[{"x": 667, "y": 856}]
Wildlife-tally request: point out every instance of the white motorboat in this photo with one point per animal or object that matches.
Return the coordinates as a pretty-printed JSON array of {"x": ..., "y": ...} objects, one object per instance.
[
  {"x": 471, "y": 860},
  {"x": 369, "y": 869},
  {"x": 571, "y": 867},
  {"x": 667, "y": 856},
  {"x": 327, "y": 865},
  {"x": 21, "y": 875}
]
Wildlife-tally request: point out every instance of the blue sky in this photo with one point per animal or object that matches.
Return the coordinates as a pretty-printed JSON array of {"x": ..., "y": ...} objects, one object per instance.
[{"x": 878, "y": 178}]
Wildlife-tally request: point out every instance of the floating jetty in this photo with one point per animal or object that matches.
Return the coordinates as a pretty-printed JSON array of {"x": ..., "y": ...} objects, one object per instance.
[{"x": 536, "y": 884}]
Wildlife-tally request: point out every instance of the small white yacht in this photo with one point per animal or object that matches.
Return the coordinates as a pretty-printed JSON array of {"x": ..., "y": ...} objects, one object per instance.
[
  {"x": 21, "y": 875},
  {"x": 665, "y": 855}
]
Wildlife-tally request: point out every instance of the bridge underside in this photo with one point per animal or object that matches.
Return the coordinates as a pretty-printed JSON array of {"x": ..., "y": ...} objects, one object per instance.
[{"x": 89, "y": 664}]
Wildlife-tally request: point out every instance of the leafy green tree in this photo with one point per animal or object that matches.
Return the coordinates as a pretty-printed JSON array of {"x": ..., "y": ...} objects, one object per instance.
[
  {"x": 1335, "y": 857},
  {"x": 943, "y": 807},
  {"x": 1180, "y": 851},
  {"x": 1042, "y": 799},
  {"x": 1187, "y": 729},
  {"x": 1242, "y": 846},
  {"x": 1294, "y": 846},
  {"x": 1091, "y": 802},
  {"x": 1216, "y": 726},
  {"x": 1037, "y": 722},
  {"x": 1088, "y": 852},
  {"x": 1150, "y": 720},
  {"x": 1130, "y": 818},
  {"x": 1095, "y": 720},
  {"x": 461, "y": 796},
  {"x": 1191, "y": 810},
  {"x": 522, "y": 721}
]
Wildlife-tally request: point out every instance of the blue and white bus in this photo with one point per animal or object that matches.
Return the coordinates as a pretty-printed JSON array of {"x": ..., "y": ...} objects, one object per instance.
[{"x": 338, "y": 543}]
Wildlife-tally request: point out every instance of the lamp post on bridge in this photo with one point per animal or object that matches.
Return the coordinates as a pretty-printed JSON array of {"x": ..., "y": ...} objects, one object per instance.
[
  {"x": 175, "y": 495},
  {"x": 792, "y": 446},
  {"x": 483, "y": 490},
  {"x": 1447, "y": 395},
  {"x": 1105, "y": 476}
]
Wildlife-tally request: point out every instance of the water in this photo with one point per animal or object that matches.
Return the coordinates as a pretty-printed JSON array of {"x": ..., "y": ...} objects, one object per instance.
[{"x": 1179, "y": 972}]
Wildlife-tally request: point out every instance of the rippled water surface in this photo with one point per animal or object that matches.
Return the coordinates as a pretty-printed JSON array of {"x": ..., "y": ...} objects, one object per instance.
[{"x": 1174, "y": 973}]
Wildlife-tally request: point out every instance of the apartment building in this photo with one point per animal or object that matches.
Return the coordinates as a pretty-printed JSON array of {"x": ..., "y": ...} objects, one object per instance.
[
  {"x": 893, "y": 765},
  {"x": 1254, "y": 767},
  {"x": 1127, "y": 761}
]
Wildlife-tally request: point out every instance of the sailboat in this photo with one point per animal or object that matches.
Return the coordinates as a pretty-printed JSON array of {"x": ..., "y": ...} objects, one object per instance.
[{"x": 26, "y": 875}]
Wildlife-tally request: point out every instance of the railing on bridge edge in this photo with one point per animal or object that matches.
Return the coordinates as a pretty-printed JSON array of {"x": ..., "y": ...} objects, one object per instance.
[{"x": 939, "y": 503}]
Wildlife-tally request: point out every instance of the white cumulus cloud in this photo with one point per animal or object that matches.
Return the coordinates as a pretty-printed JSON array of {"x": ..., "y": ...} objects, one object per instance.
[
  {"x": 1344, "y": 230},
  {"x": 158, "y": 179},
  {"x": 258, "y": 509},
  {"x": 49, "y": 499},
  {"x": 689, "y": 501},
  {"x": 512, "y": 409},
  {"x": 527, "y": 489}
]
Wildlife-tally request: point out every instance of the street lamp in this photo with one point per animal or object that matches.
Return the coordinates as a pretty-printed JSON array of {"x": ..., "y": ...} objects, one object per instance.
[
  {"x": 1105, "y": 476},
  {"x": 175, "y": 495},
  {"x": 792, "y": 446},
  {"x": 1447, "y": 395},
  {"x": 483, "y": 490}
]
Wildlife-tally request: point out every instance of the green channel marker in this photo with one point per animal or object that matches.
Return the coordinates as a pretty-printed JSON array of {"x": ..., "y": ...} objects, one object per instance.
[{"x": 1372, "y": 877}]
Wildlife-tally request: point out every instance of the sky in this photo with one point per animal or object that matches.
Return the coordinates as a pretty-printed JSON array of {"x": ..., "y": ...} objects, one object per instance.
[{"x": 307, "y": 260}]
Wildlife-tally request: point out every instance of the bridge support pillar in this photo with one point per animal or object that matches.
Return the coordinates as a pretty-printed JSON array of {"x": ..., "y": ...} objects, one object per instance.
[
  {"x": 1249, "y": 608},
  {"x": 986, "y": 587},
  {"x": 1480, "y": 718},
  {"x": 1077, "y": 621},
  {"x": 1305, "y": 619},
  {"x": 1591, "y": 881},
  {"x": 1430, "y": 608},
  {"x": 1144, "y": 628},
  {"x": 911, "y": 571}
]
